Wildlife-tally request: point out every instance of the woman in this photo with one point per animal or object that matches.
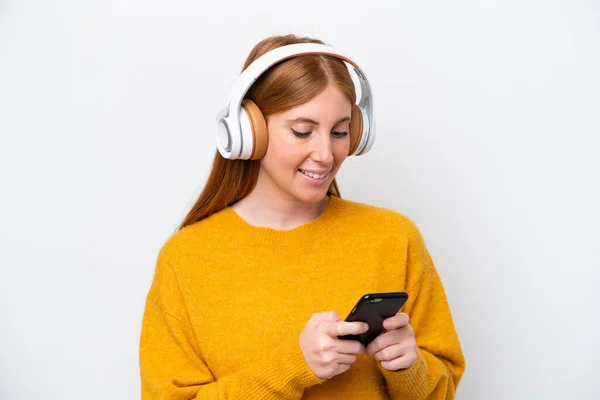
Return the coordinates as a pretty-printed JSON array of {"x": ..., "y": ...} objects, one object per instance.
[{"x": 247, "y": 296}]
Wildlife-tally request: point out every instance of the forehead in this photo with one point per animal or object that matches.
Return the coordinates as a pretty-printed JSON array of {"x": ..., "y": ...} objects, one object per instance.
[{"x": 330, "y": 104}]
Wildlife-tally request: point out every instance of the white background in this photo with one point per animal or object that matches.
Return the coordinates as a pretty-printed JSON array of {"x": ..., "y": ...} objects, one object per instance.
[{"x": 488, "y": 117}]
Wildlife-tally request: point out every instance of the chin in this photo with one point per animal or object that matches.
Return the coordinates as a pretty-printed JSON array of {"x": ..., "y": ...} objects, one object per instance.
[{"x": 311, "y": 197}]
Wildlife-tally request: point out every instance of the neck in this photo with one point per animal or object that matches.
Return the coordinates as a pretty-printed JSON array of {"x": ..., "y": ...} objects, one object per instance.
[{"x": 272, "y": 209}]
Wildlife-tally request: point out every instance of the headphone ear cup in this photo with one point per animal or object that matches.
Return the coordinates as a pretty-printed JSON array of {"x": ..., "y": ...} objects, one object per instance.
[
  {"x": 258, "y": 125},
  {"x": 356, "y": 128}
]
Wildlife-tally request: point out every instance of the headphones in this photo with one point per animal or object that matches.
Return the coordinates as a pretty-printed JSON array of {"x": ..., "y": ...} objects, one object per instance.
[{"x": 241, "y": 126}]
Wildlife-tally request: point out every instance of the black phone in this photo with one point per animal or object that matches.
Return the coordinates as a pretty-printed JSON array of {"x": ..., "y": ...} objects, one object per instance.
[{"x": 374, "y": 308}]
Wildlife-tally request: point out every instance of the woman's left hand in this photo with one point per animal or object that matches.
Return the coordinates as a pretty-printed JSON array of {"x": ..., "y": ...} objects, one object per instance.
[{"x": 396, "y": 347}]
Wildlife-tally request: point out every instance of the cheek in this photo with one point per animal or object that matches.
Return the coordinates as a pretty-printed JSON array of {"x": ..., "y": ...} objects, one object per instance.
[
  {"x": 282, "y": 153},
  {"x": 340, "y": 150}
]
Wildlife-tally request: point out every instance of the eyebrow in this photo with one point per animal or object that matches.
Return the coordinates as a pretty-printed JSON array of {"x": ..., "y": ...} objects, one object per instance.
[{"x": 312, "y": 121}]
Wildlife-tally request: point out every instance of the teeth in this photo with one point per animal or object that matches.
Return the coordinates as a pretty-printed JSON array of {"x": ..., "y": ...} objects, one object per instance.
[{"x": 313, "y": 175}]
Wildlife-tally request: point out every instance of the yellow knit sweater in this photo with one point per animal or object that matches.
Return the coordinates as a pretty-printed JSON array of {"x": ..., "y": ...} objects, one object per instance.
[{"x": 228, "y": 301}]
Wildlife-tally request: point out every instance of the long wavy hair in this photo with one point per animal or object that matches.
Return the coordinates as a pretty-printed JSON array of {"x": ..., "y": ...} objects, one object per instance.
[{"x": 288, "y": 84}]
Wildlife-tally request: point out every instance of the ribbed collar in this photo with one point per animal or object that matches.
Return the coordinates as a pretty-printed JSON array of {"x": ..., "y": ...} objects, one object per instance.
[{"x": 265, "y": 235}]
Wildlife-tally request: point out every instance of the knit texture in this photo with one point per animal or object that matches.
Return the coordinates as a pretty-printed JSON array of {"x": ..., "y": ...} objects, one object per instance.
[{"x": 228, "y": 301}]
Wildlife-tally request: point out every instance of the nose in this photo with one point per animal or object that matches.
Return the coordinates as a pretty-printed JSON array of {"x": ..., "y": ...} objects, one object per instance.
[{"x": 322, "y": 150}]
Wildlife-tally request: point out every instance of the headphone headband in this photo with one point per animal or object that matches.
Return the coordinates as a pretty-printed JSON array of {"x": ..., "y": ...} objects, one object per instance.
[{"x": 230, "y": 138}]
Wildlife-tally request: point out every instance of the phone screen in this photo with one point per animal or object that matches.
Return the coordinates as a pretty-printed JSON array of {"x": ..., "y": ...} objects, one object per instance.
[{"x": 374, "y": 308}]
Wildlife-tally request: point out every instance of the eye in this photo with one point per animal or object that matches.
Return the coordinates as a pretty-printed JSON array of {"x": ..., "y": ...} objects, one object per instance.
[
  {"x": 339, "y": 134},
  {"x": 300, "y": 134},
  {"x": 305, "y": 134}
]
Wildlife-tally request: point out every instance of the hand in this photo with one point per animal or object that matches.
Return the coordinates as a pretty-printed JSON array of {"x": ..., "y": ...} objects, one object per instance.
[
  {"x": 325, "y": 354},
  {"x": 396, "y": 347}
]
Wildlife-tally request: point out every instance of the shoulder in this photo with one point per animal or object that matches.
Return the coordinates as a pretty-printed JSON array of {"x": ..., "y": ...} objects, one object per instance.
[
  {"x": 203, "y": 234},
  {"x": 379, "y": 218},
  {"x": 391, "y": 226}
]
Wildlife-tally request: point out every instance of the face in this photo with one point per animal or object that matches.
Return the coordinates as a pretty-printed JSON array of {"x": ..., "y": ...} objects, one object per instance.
[{"x": 307, "y": 146}]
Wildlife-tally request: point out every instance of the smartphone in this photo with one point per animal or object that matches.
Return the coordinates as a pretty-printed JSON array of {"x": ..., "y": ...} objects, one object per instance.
[{"x": 374, "y": 308}]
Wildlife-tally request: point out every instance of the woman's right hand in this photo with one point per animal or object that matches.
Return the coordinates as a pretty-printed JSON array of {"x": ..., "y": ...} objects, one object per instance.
[{"x": 325, "y": 354}]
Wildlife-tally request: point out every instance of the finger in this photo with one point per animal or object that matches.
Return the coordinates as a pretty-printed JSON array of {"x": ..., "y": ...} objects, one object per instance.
[
  {"x": 346, "y": 358},
  {"x": 343, "y": 368},
  {"x": 396, "y": 322},
  {"x": 382, "y": 341},
  {"x": 349, "y": 347},
  {"x": 341, "y": 328},
  {"x": 326, "y": 316},
  {"x": 391, "y": 352},
  {"x": 400, "y": 363},
  {"x": 390, "y": 338}
]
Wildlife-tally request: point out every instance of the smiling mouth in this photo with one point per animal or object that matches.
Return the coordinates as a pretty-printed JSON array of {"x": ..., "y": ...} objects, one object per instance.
[{"x": 313, "y": 175}]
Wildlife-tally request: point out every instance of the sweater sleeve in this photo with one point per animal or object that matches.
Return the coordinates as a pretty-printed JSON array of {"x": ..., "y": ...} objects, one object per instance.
[
  {"x": 440, "y": 362},
  {"x": 172, "y": 366}
]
